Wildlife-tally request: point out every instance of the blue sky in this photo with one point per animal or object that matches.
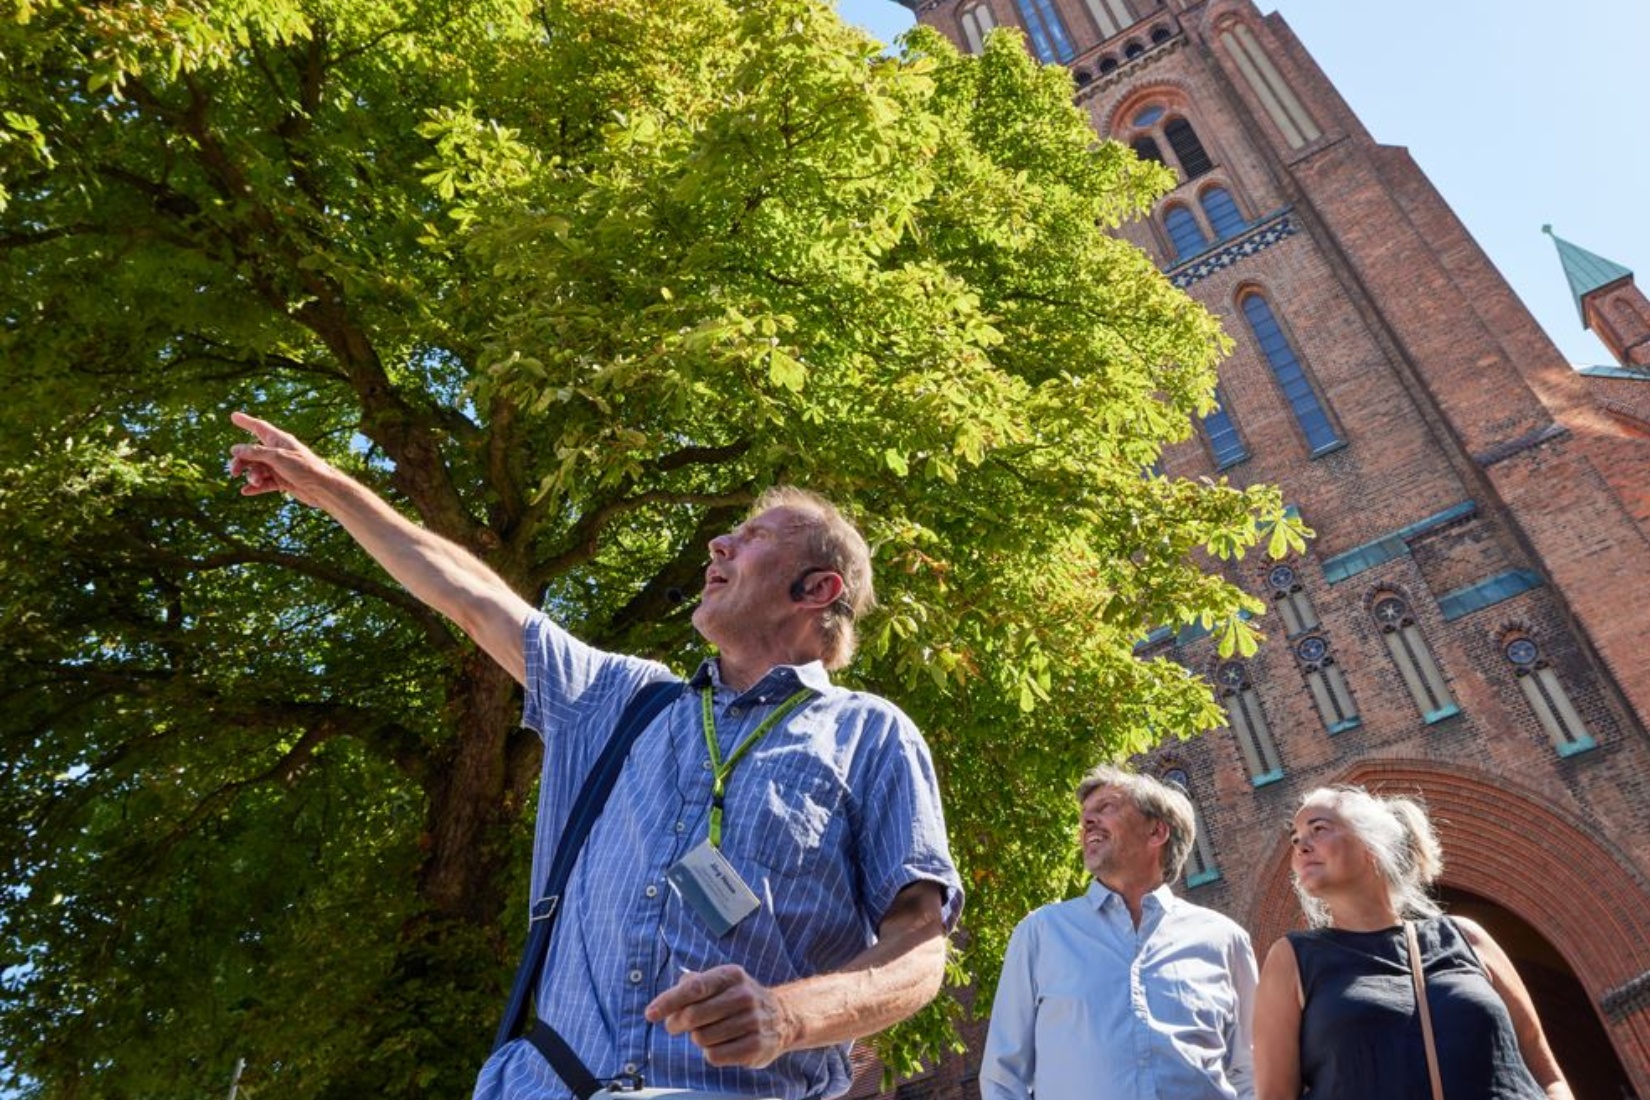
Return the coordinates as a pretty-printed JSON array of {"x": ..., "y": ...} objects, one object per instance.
[{"x": 1518, "y": 117}]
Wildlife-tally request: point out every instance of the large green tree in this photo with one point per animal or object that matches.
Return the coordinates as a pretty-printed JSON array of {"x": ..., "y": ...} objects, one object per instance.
[{"x": 569, "y": 281}]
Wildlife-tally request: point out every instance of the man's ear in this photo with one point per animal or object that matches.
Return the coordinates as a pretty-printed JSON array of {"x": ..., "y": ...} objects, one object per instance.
[{"x": 819, "y": 589}]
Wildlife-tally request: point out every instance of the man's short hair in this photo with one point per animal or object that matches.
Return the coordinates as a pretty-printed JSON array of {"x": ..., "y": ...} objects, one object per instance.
[
  {"x": 1156, "y": 801},
  {"x": 833, "y": 543}
]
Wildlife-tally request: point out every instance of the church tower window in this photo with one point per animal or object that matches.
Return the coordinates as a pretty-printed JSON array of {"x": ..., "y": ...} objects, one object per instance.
[
  {"x": 1327, "y": 685},
  {"x": 1188, "y": 150},
  {"x": 1146, "y": 149},
  {"x": 1110, "y": 16},
  {"x": 1224, "y": 441},
  {"x": 1248, "y": 723},
  {"x": 1320, "y": 433},
  {"x": 976, "y": 23},
  {"x": 1049, "y": 40},
  {"x": 1222, "y": 212},
  {"x": 1416, "y": 665},
  {"x": 1184, "y": 232},
  {"x": 1283, "y": 581},
  {"x": 1547, "y": 697}
]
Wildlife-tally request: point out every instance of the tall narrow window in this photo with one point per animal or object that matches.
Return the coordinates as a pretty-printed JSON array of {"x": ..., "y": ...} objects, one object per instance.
[
  {"x": 1048, "y": 35},
  {"x": 1110, "y": 16},
  {"x": 1248, "y": 723},
  {"x": 1184, "y": 232},
  {"x": 1187, "y": 149},
  {"x": 1327, "y": 685},
  {"x": 1547, "y": 697},
  {"x": 1268, "y": 85},
  {"x": 976, "y": 22},
  {"x": 1291, "y": 376},
  {"x": 1222, "y": 212},
  {"x": 1414, "y": 659},
  {"x": 1224, "y": 441},
  {"x": 1289, "y": 596},
  {"x": 1200, "y": 864}
]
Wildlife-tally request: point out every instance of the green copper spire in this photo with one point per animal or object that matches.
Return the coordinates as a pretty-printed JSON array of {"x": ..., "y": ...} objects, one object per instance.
[{"x": 1585, "y": 271}]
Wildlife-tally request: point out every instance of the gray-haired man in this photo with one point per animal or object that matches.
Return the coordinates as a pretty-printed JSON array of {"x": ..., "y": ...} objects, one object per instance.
[{"x": 1127, "y": 991}]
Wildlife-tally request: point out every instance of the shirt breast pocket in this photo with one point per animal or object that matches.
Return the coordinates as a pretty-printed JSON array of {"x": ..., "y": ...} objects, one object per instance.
[{"x": 785, "y": 816}]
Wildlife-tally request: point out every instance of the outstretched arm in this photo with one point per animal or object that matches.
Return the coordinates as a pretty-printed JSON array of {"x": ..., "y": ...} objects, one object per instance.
[
  {"x": 438, "y": 571},
  {"x": 737, "y": 1021},
  {"x": 1532, "y": 1041}
]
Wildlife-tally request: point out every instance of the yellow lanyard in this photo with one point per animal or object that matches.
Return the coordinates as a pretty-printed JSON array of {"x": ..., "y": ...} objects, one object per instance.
[{"x": 720, "y": 771}]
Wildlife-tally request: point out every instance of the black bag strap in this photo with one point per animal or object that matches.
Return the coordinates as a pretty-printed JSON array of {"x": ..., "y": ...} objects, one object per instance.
[{"x": 643, "y": 707}]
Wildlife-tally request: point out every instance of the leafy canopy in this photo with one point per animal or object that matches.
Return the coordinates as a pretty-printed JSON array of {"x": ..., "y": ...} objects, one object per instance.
[{"x": 569, "y": 282}]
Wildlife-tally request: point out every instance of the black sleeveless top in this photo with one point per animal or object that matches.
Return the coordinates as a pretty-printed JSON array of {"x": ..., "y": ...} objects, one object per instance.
[{"x": 1361, "y": 1036}]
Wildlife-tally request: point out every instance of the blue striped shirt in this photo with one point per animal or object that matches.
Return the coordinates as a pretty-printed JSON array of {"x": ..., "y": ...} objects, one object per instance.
[{"x": 827, "y": 818}]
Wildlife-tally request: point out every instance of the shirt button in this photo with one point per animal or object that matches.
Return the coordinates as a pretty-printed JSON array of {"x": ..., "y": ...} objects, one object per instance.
[
  {"x": 630, "y": 1067},
  {"x": 652, "y": 891},
  {"x": 705, "y": 764},
  {"x": 635, "y": 977},
  {"x": 681, "y": 826}
]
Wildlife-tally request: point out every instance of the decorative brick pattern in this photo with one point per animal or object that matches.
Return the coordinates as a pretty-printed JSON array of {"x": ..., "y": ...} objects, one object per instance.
[{"x": 1260, "y": 238}]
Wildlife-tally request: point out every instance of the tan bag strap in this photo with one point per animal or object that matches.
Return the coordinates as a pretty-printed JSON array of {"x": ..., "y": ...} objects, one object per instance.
[{"x": 1421, "y": 1007}]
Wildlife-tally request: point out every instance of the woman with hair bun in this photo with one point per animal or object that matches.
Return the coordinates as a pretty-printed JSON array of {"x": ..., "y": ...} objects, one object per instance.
[{"x": 1336, "y": 1014}]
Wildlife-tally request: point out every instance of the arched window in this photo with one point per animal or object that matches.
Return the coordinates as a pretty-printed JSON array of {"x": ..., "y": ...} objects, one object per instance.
[
  {"x": 1289, "y": 597},
  {"x": 1291, "y": 377},
  {"x": 1187, "y": 149},
  {"x": 976, "y": 22},
  {"x": 1146, "y": 149},
  {"x": 1224, "y": 441},
  {"x": 1110, "y": 16},
  {"x": 1327, "y": 685},
  {"x": 1547, "y": 697},
  {"x": 1200, "y": 864},
  {"x": 1184, "y": 232},
  {"x": 1161, "y": 35},
  {"x": 1222, "y": 212},
  {"x": 1248, "y": 723},
  {"x": 1133, "y": 50},
  {"x": 1107, "y": 65},
  {"x": 1409, "y": 651},
  {"x": 1049, "y": 40}
]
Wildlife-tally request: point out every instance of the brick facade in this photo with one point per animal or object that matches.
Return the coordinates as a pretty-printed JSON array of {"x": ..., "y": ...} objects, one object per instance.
[{"x": 1472, "y": 475}]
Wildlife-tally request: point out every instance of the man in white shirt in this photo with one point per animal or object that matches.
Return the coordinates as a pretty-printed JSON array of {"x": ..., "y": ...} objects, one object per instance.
[{"x": 1128, "y": 992}]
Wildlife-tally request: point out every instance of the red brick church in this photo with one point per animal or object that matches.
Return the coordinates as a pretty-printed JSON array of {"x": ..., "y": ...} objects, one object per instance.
[{"x": 1466, "y": 623}]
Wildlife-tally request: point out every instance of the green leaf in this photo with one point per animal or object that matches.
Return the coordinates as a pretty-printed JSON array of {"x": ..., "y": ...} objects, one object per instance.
[{"x": 786, "y": 371}]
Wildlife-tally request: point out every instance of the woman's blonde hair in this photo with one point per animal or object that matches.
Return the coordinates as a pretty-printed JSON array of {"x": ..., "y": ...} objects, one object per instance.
[{"x": 1398, "y": 835}]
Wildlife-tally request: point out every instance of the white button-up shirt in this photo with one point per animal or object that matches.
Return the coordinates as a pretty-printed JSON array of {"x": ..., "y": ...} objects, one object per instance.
[{"x": 1092, "y": 1008}]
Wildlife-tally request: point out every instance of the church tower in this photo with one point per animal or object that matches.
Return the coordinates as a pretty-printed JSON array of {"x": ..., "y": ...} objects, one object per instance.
[
  {"x": 1610, "y": 303},
  {"x": 1467, "y": 623}
]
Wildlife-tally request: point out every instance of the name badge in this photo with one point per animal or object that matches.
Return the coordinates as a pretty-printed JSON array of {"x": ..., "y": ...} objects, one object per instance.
[{"x": 709, "y": 885}]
